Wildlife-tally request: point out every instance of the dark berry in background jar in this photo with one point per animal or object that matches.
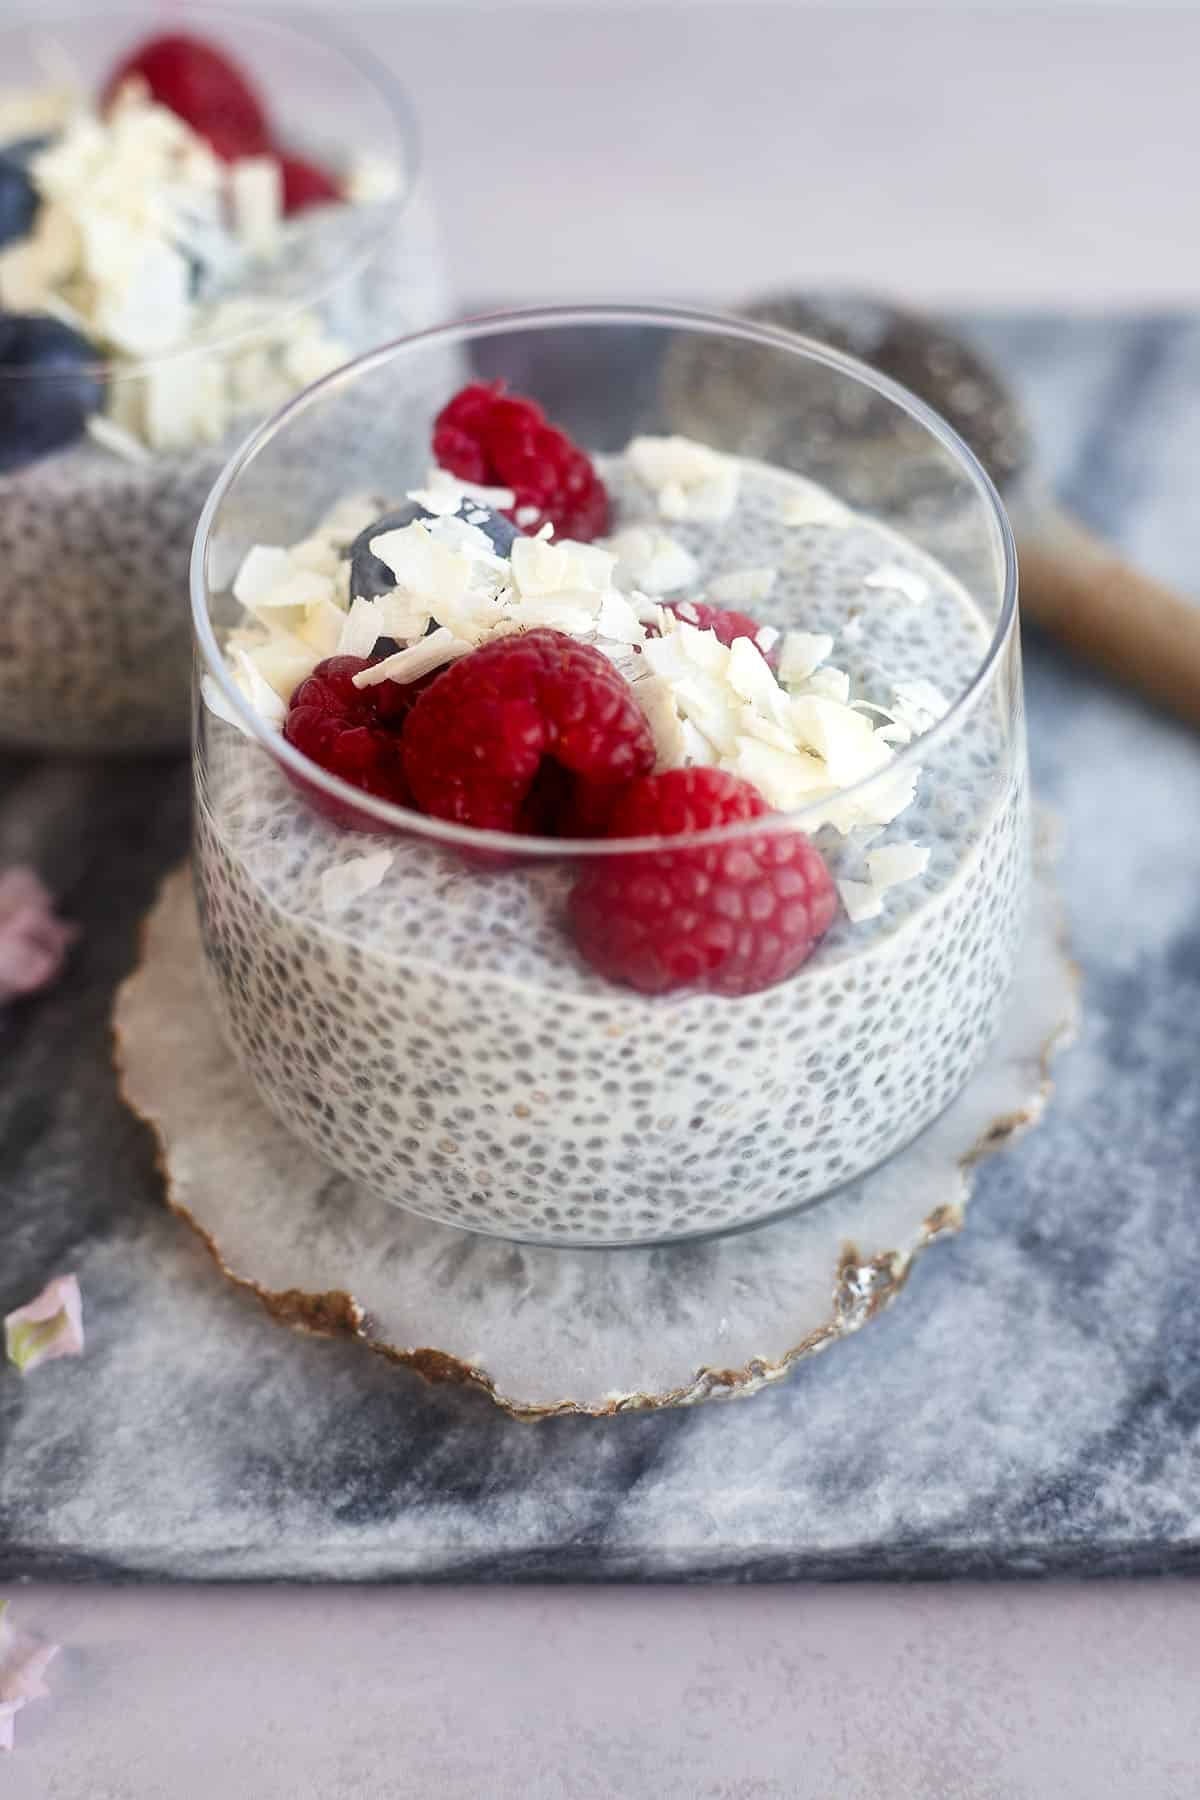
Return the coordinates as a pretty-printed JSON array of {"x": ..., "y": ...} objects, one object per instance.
[
  {"x": 18, "y": 199},
  {"x": 49, "y": 387}
]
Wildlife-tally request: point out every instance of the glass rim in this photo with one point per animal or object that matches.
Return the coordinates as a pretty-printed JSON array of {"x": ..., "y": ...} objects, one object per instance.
[
  {"x": 395, "y": 819},
  {"x": 314, "y": 30}
]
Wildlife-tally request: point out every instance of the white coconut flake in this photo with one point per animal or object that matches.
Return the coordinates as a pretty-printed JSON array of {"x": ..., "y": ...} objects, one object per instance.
[
  {"x": 441, "y": 646},
  {"x": 892, "y": 864},
  {"x": 467, "y": 539},
  {"x": 834, "y": 684},
  {"x": 256, "y": 190},
  {"x": 317, "y": 553},
  {"x": 347, "y": 882},
  {"x": 284, "y": 661},
  {"x": 371, "y": 178},
  {"x": 349, "y": 518},
  {"x": 445, "y": 493},
  {"x": 697, "y": 749},
  {"x": 656, "y": 698},
  {"x": 322, "y": 627},
  {"x": 742, "y": 587},
  {"x": 803, "y": 651},
  {"x": 650, "y": 560},
  {"x": 894, "y": 578},
  {"x": 214, "y": 699},
  {"x": 111, "y": 436},
  {"x": 787, "y": 779},
  {"x": 263, "y": 568},
  {"x": 918, "y": 704},
  {"x": 840, "y": 736},
  {"x": 690, "y": 480},
  {"x": 254, "y": 685},
  {"x": 309, "y": 358},
  {"x": 749, "y": 675},
  {"x": 149, "y": 311},
  {"x": 618, "y": 620},
  {"x": 360, "y": 629},
  {"x": 861, "y": 900},
  {"x": 541, "y": 568},
  {"x": 814, "y": 506},
  {"x": 36, "y": 112},
  {"x": 575, "y": 613},
  {"x": 297, "y": 587},
  {"x": 768, "y": 731}
]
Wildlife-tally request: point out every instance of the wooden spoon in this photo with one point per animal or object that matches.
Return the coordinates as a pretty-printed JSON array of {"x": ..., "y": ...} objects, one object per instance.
[{"x": 1135, "y": 629}]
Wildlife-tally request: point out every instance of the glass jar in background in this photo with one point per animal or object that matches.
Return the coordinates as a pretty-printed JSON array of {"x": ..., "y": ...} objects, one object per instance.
[{"x": 96, "y": 525}]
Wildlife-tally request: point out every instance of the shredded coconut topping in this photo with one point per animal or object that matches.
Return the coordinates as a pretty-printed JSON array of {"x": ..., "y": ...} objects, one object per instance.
[
  {"x": 690, "y": 480},
  {"x": 894, "y": 578},
  {"x": 742, "y": 587},
  {"x": 800, "y": 736},
  {"x": 814, "y": 506},
  {"x": 651, "y": 560}
]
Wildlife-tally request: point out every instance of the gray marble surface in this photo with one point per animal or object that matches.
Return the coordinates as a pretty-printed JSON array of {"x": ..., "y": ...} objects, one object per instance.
[{"x": 1032, "y": 1404}]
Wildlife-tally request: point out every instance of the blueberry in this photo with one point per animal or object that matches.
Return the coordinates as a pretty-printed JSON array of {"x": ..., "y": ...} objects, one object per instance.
[
  {"x": 369, "y": 577},
  {"x": 19, "y": 200},
  {"x": 48, "y": 387},
  {"x": 23, "y": 150}
]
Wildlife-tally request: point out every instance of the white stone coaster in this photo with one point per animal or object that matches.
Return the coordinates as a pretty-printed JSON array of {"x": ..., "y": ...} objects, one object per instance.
[{"x": 546, "y": 1331}]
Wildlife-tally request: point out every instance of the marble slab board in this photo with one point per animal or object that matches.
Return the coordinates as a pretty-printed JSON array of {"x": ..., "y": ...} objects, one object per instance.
[{"x": 1032, "y": 1403}]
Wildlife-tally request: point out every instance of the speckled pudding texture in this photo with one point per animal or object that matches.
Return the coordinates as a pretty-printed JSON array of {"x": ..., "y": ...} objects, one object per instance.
[
  {"x": 95, "y": 627},
  {"x": 442, "y": 1040}
]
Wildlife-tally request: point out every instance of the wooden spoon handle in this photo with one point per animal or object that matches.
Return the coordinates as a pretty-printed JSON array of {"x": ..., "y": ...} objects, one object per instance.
[{"x": 1132, "y": 627}]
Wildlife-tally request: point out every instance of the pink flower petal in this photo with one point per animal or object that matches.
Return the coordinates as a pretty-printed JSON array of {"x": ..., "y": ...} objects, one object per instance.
[
  {"x": 23, "y": 1665},
  {"x": 33, "y": 940},
  {"x": 48, "y": 1326}
]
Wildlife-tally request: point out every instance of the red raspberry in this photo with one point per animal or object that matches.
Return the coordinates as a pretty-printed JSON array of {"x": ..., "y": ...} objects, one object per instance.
[
  {"x": 722, "y": 620},
  {"x": 353, "y": 732},
  {"x": 729, "y": 917},
  {"x": 503, "y": 440},
  {"x": 476, "y": 743},
  {"x": 306, "y": 184},
  {"x": 204, "y": 88}
]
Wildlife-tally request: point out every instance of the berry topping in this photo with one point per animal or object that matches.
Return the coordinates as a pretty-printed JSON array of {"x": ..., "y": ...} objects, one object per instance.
[
  {"x": 18, "y": 200},
  {"x": 199, "y": 83},
  {"x": 722, "y": 620},
  {"x": 306, "y": 184},
  {"x": 477, "y": 739},
  {"x": 353, "y": 732},
  {"x": 43, "y": 414},
  {"x": 370, "y": 577},
  {"x": 488, "y": 436},
  {"x": 728, "y": 917}
]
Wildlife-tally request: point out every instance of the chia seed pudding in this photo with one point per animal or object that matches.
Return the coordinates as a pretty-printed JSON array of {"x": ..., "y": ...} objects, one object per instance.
[
  {"x": 425, "y": 1021},
  {"x": 166, "y": 278}
]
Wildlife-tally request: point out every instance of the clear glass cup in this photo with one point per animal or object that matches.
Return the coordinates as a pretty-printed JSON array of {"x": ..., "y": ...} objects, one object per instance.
[
  {"x": 94, "y": 634},
  {"x": 439, "y": 1038}
]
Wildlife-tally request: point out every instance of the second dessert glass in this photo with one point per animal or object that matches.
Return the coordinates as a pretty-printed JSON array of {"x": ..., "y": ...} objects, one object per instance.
[
  {"x": 94, "y": 636},
  {"x": 432, "y": 1031}
]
